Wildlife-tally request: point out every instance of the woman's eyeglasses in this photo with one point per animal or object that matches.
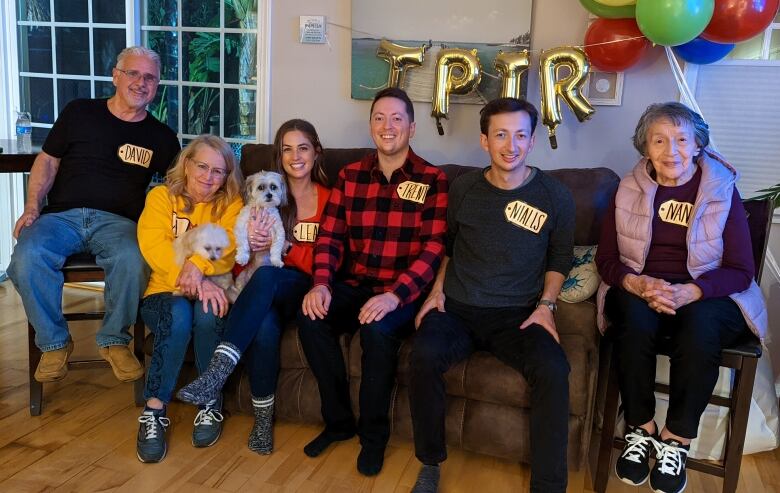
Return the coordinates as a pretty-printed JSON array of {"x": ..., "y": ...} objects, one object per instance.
[{"x": 205, "y": 169}]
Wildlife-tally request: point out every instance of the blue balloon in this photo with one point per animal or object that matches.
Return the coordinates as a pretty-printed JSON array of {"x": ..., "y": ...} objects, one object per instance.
[{"x": 701, "y": 52}]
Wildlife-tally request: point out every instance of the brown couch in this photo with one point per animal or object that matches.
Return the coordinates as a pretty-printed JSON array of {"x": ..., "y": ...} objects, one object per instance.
[{"x": 487, "y": 410}]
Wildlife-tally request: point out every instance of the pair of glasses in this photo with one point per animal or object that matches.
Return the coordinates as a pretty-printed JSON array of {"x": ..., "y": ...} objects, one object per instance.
[
  {"x": 135, "y": 75},
  {"x": 204, "y": 169}
]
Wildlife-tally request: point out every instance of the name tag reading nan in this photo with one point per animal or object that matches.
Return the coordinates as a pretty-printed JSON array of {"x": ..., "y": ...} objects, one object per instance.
[
  {"x": 525, "y": 216},
  {"x": 416, "y": 192},
  {"x": 674, "y": 212},
  {"x": 306, "y": 232},
  {"x": 131, "y": 154}
]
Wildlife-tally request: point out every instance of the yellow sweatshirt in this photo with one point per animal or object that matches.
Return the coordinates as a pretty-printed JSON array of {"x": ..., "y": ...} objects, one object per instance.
[{"x": 162, "y": 221}]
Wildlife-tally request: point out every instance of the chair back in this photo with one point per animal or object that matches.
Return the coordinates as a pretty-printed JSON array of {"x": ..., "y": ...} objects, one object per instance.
[{"x": 759, "y": 218}]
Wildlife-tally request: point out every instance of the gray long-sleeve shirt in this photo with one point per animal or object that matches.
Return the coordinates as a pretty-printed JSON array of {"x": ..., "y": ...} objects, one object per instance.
[{"x": 501, "y": 242}]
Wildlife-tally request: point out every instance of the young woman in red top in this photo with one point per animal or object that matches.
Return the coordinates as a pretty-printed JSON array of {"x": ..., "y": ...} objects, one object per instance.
[{"x": 273, "y": 295}]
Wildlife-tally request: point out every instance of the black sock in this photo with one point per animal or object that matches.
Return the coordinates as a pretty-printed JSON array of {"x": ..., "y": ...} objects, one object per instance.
[
  {"x": 323, "y": 441},
  {"x": 370, "y": 460}
]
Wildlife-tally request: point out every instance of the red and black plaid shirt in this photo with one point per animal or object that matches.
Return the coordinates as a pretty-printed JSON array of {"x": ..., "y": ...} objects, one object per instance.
[{"x": 395, "y": 244}]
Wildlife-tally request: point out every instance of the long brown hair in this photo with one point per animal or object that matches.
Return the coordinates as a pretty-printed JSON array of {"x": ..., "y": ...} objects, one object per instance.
[
  {"x": 290, "y": 213},
  {"x": 176, "y": 180}
]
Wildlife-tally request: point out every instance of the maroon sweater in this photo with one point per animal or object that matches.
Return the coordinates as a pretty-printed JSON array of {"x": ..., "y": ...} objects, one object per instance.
[{"x": 668, "y": 254}]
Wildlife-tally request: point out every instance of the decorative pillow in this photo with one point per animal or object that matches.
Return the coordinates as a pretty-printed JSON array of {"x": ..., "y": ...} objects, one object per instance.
[{"x": 583, "y": 279}]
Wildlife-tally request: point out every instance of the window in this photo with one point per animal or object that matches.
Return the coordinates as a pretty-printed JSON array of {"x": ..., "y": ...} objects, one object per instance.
[
  {"x": 737, "y": 97},
  {"x": 66, "y": 51},
  {"x": 209, "y": 52}
]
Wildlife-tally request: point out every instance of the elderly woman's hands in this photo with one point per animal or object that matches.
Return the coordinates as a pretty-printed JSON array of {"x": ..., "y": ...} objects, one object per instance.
[
  {"x": 662, "y": 296},
  {"x": 259, "y": 229}
]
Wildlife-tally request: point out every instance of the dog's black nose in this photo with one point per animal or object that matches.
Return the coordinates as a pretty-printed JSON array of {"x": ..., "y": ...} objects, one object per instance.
[{"x": 268, "y": 197}]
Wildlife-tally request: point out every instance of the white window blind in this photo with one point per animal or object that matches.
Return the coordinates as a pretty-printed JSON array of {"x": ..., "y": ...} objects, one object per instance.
[{"x": 742, "y": 106}]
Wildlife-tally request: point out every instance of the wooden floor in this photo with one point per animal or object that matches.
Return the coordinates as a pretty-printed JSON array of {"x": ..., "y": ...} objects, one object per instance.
[{"x": 85, "y": 441}]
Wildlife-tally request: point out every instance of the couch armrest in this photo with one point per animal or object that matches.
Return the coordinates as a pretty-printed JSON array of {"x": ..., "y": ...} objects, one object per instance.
[{"x": 578, "y": 319}]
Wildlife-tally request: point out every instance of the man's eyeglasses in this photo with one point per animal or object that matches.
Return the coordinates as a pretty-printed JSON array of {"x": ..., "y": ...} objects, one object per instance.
[
  {"x": 205, "y": 169},
  {"x": 135, "y": 75}
]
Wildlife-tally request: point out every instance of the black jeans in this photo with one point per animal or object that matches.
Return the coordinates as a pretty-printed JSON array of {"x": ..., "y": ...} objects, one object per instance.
[
  {"x": 697, "y": 333},
  {"x": 445, "y": 338},
  {"x": 380, "y": 342}
]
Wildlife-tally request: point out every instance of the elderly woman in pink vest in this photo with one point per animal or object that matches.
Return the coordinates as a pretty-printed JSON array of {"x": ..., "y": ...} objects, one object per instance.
[{"x": 675, "y": 260}]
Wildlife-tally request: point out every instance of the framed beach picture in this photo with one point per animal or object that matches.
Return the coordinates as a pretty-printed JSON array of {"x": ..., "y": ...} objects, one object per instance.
[{"x": 487, "y": 26}]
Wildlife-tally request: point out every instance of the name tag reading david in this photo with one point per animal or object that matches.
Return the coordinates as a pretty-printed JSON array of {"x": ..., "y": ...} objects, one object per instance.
[
  {"x": 131, "y": 154},
  {"x": 674, "y": 212},
  {"x": 525, "y": 216},
  {"x": 413, "y": 191},
  {"x": 306, "y": 232}
]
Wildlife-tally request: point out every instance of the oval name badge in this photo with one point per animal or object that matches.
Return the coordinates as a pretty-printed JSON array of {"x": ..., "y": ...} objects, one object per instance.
[
  {"x": 306, "y": 232},
  {"x": 525, "y": 216},
  {"x": 674, "y": 212},
  {"x": 413, "y": 191},
  {"x": 136, "y": 155}
]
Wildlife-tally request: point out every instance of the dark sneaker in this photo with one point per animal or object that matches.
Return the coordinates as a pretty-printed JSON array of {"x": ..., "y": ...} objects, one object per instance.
[
  {"x": 633, "y": 465},
  {"x": 151, "y": 446},
  {"x": 668, "y": 475},
  {"x": 208, "y": 425}
]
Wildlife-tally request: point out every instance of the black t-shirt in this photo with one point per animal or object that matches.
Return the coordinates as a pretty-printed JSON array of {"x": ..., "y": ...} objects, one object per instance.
[{"x": 106, "y": 163}]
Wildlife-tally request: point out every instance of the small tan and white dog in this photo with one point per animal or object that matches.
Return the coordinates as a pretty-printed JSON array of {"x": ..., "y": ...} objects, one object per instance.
[
  {"x": 263, "y": 190},
  {"x": 210, "y": 241}
]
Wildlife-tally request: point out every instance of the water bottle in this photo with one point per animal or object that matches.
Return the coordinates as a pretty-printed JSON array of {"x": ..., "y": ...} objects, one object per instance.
[{"x": 23, "y": 132}]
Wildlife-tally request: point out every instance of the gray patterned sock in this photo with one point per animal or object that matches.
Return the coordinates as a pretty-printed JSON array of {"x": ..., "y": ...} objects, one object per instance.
[
  {"x": 261, "y": 439},
  {"x": 427, "y": 479},
  {"x": 208, "y": 386}
]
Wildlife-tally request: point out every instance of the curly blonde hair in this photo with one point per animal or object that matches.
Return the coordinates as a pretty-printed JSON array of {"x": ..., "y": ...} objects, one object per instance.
[{"x": 176, "y": 179}]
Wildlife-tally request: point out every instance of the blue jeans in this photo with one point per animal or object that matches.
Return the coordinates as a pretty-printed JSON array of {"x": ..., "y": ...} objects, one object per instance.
[
  {"x": 270, "y": 298},
  {"x": 380, "y": 341},
  {"x": 40, "y": 254},
  {"x": 173, "y": 320}
]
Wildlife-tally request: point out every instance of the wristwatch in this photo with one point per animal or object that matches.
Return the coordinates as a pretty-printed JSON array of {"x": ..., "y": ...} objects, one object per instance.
[{"x": 549, "y": 304}]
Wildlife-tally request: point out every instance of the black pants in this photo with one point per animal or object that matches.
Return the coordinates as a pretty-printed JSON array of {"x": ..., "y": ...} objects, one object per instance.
[
  {"x": 380, "y": 342},
  {"x": 696, "y": 335},
  {"x": 445, "y": 338}
]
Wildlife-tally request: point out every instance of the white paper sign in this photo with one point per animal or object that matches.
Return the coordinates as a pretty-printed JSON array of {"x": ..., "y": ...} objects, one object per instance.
[{"x": 312, "y": 29}]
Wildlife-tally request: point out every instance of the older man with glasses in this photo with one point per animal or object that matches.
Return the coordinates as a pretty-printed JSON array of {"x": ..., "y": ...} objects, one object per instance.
[{"x": 93, "y": 171}]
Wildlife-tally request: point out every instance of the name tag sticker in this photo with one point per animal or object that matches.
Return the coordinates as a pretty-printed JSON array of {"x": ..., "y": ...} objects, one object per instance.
[
  {"x": 416, "y": 192},
  {"x": 674, "y": 212},
  {"x": 306, "y": 232},
  {"x": 525, "y": 216},
  {"x": 131, "y": 154}
]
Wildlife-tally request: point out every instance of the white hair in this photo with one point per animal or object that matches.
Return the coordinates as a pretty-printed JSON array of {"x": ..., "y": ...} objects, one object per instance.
[{"x": 139, "y": 51}]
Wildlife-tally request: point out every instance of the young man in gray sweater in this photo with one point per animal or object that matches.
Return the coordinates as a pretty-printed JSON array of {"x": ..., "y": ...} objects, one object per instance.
[{"x": 509, "y": 249}]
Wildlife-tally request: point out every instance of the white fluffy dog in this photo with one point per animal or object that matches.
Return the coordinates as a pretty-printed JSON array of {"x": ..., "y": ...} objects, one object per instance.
[
  {"x": 266, "y": 190},
  {"x": 210, "y": 242}
]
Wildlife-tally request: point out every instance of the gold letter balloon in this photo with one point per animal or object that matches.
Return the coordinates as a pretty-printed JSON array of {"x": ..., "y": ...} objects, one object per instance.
[
  {"x": 457, "y": 72},
  {"x": 568, "y": 88},
  {"x": 511, "y": 66},
  {"x": 400, "y": 58}
]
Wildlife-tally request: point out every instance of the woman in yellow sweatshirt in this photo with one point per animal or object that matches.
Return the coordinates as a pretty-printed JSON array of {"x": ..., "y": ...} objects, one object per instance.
[{"x": 203, "y": 186}]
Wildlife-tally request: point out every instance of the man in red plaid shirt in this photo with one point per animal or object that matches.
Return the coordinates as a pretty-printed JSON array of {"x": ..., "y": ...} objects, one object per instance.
[{"x": 388, "y": 212}]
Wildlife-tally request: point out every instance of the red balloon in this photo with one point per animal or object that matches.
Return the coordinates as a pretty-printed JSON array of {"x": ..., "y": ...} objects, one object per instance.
[
  {"x": 739, "y": 20},
  {"x": 618, "y": 56}
]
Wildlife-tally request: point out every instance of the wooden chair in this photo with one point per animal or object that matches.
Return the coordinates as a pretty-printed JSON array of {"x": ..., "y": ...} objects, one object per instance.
[
  {"x": 742, "y": 357},
  {"x": 81, "y": 268}
]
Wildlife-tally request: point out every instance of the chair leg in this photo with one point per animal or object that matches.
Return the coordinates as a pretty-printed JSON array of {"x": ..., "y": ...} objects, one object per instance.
[
  {"x": 139, "y": 333},
  {"x": 741, "y": 395},
  {"x": 604, "y": 460},
  {"x": 36, "y": 387}
]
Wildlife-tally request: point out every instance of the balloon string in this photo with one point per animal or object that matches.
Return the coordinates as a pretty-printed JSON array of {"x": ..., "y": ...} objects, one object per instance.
[{"x": 375, "y": 36}]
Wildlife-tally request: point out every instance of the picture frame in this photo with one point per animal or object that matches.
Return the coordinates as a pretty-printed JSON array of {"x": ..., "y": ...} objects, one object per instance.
[{"x": 604, "y": 88}]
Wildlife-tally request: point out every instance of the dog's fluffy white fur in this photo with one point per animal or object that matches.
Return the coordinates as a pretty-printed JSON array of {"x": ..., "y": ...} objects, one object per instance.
[
  {"x": 210, "y": 241},
  {"x": 266, "y": 190}
]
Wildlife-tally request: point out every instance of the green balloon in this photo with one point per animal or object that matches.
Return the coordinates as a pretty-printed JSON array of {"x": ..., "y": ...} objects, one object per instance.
[
  {"x": 607, "y": 12},
  {"x": 673, "y": 22}
]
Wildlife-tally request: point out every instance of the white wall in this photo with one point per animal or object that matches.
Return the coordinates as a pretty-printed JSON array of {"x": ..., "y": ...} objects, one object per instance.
[{"x": 313, "y": 82}]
